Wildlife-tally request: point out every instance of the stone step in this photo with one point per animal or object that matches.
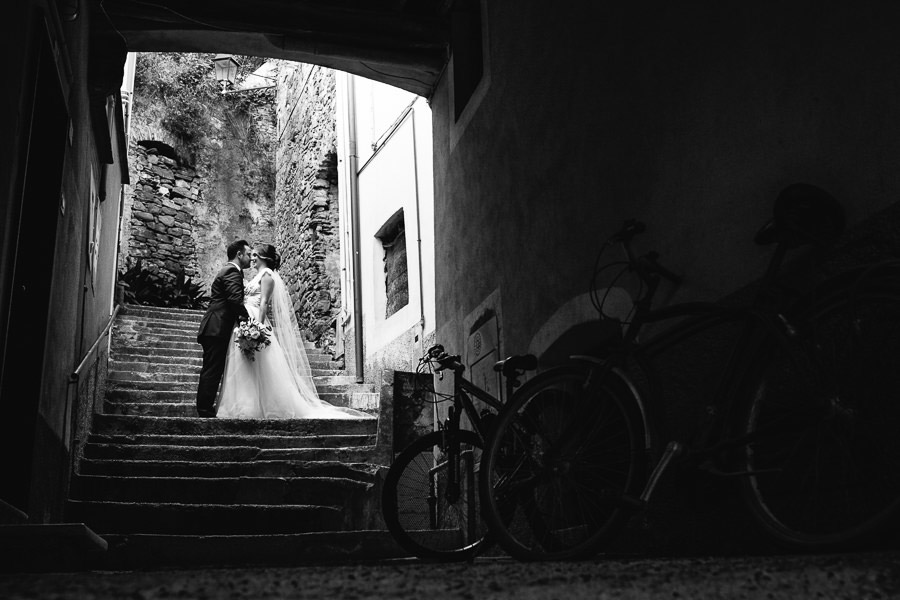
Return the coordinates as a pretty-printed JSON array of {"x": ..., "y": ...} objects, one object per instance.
[
  {"x": 149, "y": 551},
  {"x": 367, "y": 403},
  {"x": 353, "y": 454},
  {"x": 313, "y": 491},
  {"x": 177, "y": 402},
  {"x": 364, "y": 472},
  {"x": 121, "y": 339},
  {"x": 150, "y": 356},
  {"x": 159, "y": 312},
  {"x": 175, "y": 352},
  {"x": 174, "y": 374},
  {"x": 122, "y": 344},
  {"x": 192, "y": 320},
  {"x": 164, "y": 389},
  {"x": 138, "y": 353},
  {"x": 164, "y": 364},
  {"x": 333, "y": 365},
  {"x": 121, "y": 388},
  {"x": 151, "y": 372},
  {"x": 147, "y": 425},
  {"x": 156, "y": 343},
  {"x": 203, "y": 519},
  {"x": 118, "y": 399},
  {"x": 191, "y": 348},
  {"x": 128, "y": 325},
  {"x": 259, "y": 441},
  {"x": 118, "y": 367},
  {"x": 164, "y": 321},
  {"x": 182, "y": 317}
]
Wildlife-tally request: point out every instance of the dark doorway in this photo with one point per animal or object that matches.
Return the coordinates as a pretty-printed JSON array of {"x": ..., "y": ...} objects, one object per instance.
[{"x": 34, "y": 249}]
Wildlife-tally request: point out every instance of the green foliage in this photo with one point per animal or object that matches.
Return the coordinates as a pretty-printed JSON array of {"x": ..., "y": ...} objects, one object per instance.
[
  {"x": 150, "y": 288},
  {"x": 181, "y": 93}
]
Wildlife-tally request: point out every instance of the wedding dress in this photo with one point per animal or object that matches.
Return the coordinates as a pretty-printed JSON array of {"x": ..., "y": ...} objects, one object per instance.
[{"x": 278, "y": 383}]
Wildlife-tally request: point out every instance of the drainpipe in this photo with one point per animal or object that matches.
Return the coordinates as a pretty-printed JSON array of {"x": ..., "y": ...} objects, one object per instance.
[
  {"x": 354, "y": 226},
  {"x": 418, "y": 237}
]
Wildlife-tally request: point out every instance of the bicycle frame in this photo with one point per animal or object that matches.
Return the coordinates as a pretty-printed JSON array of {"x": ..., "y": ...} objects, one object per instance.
[
  {"x": 462, "y": 403},
  {"x": 433, "y": 499}
]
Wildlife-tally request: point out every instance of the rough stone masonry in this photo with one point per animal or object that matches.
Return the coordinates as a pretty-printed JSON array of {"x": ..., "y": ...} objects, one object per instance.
[
  {"x": 158, "y": 220},
  {"x": 306, "y": 198}
]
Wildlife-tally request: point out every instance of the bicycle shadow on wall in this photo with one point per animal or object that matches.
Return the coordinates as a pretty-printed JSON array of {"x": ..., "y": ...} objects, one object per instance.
[{"x": 801, "y": 419}]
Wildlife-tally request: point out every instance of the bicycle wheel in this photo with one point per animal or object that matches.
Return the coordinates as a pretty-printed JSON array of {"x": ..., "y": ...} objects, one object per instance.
[
  {"x": 562, "y": 455},
  {"x": 425, "y": 517},
  {"x": 824, "y": 450}
]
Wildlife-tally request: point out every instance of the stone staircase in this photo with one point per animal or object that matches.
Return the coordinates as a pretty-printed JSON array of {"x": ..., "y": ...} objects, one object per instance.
[{"x": 166, "y": 488}]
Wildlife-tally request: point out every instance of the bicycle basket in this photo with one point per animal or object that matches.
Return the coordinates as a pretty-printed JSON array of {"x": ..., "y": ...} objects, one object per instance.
[{"x": 615, "y": 290}]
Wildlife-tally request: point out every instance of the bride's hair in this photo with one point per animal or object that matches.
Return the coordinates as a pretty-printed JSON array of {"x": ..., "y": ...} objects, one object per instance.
[{"x": 268, "y": 253}]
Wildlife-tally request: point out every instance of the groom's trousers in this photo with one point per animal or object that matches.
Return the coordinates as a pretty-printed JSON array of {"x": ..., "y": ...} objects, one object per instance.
[{"x": 214, "y": 351}]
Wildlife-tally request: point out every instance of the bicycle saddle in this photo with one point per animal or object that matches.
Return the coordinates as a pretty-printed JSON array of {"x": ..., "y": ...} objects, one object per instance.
[{"x": 803, "y": 214}]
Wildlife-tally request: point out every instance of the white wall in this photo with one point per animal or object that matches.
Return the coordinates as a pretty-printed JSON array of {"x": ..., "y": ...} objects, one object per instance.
[{"x": 394, "y": 147}]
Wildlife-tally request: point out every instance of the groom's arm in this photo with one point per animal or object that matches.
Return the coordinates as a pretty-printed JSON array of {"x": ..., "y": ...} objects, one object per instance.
[{"x": 234, "y": 292}]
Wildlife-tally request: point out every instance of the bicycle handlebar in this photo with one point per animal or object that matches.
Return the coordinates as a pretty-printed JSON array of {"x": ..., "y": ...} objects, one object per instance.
[
  {"x": 646, "y": 264},
  {"x": 445, "y": 361}
]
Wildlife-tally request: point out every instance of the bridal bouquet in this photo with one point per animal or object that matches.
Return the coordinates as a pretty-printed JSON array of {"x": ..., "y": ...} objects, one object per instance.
[{"x": 252, "y": 336}]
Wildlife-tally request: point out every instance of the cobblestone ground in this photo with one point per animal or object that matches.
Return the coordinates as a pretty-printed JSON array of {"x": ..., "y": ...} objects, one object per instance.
[{"x": 832, "y": 576}]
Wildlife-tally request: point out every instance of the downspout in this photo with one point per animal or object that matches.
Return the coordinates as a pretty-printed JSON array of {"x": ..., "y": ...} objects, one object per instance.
[
  {"x": 419, "y": 238},
  {"x": 354, "y": 226}
]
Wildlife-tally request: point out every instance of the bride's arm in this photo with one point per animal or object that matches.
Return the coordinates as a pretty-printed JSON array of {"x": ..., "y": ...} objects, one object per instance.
[{"x": 266, "y": 285}]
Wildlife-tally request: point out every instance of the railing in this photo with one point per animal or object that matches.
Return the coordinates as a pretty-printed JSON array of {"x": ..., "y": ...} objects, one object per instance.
[
  {"x": 71, "y": 406},
  {"x": 76, "y": 374}
]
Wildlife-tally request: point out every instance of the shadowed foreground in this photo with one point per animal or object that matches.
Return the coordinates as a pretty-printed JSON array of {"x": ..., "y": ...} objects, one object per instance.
[{"x": 834, "y": 576}]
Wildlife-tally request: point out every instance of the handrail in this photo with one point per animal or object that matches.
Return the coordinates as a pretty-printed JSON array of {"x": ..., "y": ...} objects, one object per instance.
[{"x": 77, "y": 372}]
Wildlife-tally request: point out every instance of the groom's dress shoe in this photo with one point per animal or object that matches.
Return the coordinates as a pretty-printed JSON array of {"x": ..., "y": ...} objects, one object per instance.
[{"x": 207, "y": 414}]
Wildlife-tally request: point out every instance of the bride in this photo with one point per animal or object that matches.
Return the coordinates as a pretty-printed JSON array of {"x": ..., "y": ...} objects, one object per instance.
[{"x": 277, "y": 383}]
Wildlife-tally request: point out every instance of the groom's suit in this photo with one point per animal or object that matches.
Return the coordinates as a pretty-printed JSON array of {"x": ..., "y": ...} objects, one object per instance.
[{"x": 226, "y": 305}]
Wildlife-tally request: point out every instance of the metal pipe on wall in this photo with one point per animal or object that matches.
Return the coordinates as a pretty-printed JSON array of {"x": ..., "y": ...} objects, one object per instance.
[
  {"x": 353, "y": 158},
  {"x": 418, "y": 236}
]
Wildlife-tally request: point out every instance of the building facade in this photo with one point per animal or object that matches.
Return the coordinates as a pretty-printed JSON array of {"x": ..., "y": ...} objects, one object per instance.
[
  {"x": 64, "y": 166},
  {"x": 384, "y": 154}
]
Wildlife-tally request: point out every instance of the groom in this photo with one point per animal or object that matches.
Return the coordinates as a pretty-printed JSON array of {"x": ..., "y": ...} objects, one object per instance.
[{"x": 226, "y": 306}]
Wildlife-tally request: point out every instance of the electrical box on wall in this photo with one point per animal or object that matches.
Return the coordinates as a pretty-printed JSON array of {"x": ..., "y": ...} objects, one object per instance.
[{"x": 482, "y": 351}]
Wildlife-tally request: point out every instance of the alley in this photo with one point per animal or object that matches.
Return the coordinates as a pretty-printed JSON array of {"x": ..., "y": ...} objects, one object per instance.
[{"x": 867, "y": 575}]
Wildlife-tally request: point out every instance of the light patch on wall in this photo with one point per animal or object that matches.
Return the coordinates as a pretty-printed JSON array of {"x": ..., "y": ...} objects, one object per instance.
[
  {"x": 94, "y": 226},
  {"x": 476, "y": 84}
]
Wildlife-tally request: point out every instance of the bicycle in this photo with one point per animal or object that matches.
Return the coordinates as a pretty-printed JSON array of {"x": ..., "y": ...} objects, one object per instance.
[
  {"x": 804, "y": 416},
  {"x": 430, "y": 499}
]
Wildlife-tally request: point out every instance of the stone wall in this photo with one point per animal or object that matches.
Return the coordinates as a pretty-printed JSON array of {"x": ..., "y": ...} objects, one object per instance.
[
  {"x": 158, "y": 220},
  {"x": 239, "y": 201},
  {"x": 306, "y": 209},
  {"x": 227, "y": 195}
]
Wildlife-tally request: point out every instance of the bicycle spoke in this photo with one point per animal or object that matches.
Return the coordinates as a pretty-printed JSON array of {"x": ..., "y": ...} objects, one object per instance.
[
  {"x": 418, "y": 509},
  {"x": 561, "y": 460}
]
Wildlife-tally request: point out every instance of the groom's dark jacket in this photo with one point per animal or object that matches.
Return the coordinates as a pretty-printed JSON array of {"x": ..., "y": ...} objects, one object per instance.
[{"x": 226, "y": 303}]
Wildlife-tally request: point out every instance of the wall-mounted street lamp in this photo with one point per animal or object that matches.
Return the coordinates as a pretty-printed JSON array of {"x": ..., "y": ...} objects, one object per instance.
[
  {"x": 226, "y": 69},
  {"x": 226, "y": 72}
]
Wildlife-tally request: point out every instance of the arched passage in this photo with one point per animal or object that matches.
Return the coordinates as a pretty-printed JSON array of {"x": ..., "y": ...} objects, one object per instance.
[{"x": 401, "y": 43}]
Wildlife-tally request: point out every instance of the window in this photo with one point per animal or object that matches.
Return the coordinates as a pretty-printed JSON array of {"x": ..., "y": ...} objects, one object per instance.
[{"x": 392, "y": 236}]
